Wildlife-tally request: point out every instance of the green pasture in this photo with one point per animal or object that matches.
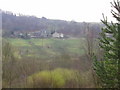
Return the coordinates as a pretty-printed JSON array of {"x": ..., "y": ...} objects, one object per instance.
[{"x": 47, "y": 48}]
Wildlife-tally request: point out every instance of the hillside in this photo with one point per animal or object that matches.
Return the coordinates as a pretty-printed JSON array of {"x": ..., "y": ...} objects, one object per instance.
[{"x": 24, "y": 23}]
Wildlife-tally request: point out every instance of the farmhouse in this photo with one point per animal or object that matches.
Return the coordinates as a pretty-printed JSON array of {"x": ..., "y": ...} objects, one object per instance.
[{"x": 57, "y": 35}]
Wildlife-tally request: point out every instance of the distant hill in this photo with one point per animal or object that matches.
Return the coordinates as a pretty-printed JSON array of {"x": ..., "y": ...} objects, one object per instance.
[{"x": 24, "y": 23}]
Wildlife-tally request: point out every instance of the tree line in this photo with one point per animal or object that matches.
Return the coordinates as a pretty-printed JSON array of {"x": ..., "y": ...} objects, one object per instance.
[{"x": 13, "y": 22}]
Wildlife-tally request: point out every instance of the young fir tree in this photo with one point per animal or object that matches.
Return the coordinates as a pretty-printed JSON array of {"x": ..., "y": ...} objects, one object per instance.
[{"x": 107, "y": 68}]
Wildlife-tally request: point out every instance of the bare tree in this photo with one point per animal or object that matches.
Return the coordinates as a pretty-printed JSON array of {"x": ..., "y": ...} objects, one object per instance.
[
  {"x": 8, "y": 60},
  {"x": 90, "y": 48}
]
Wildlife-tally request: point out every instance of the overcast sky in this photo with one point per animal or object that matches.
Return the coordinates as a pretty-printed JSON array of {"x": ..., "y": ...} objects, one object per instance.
[{"x": 77, "y": 10}]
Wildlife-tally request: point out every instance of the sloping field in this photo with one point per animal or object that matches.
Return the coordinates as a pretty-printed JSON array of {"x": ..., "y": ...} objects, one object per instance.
[{"x": 46, "y": 48}]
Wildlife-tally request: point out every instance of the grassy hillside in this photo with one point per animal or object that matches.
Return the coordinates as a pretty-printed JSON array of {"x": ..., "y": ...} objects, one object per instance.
[{"x": 46, "y": 48}]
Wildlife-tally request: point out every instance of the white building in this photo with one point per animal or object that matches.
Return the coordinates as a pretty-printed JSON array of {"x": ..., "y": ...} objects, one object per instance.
[
  {"x": 57, "y": 35},
  {"x": 61, "y": 35}
]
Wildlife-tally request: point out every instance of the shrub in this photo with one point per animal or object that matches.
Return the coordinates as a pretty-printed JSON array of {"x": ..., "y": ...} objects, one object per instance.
[{"x": 53, "y": 79}]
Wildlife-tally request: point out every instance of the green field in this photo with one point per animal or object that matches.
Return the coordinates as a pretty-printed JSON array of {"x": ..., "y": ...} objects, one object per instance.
[{"x": 47, "y": 48}]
